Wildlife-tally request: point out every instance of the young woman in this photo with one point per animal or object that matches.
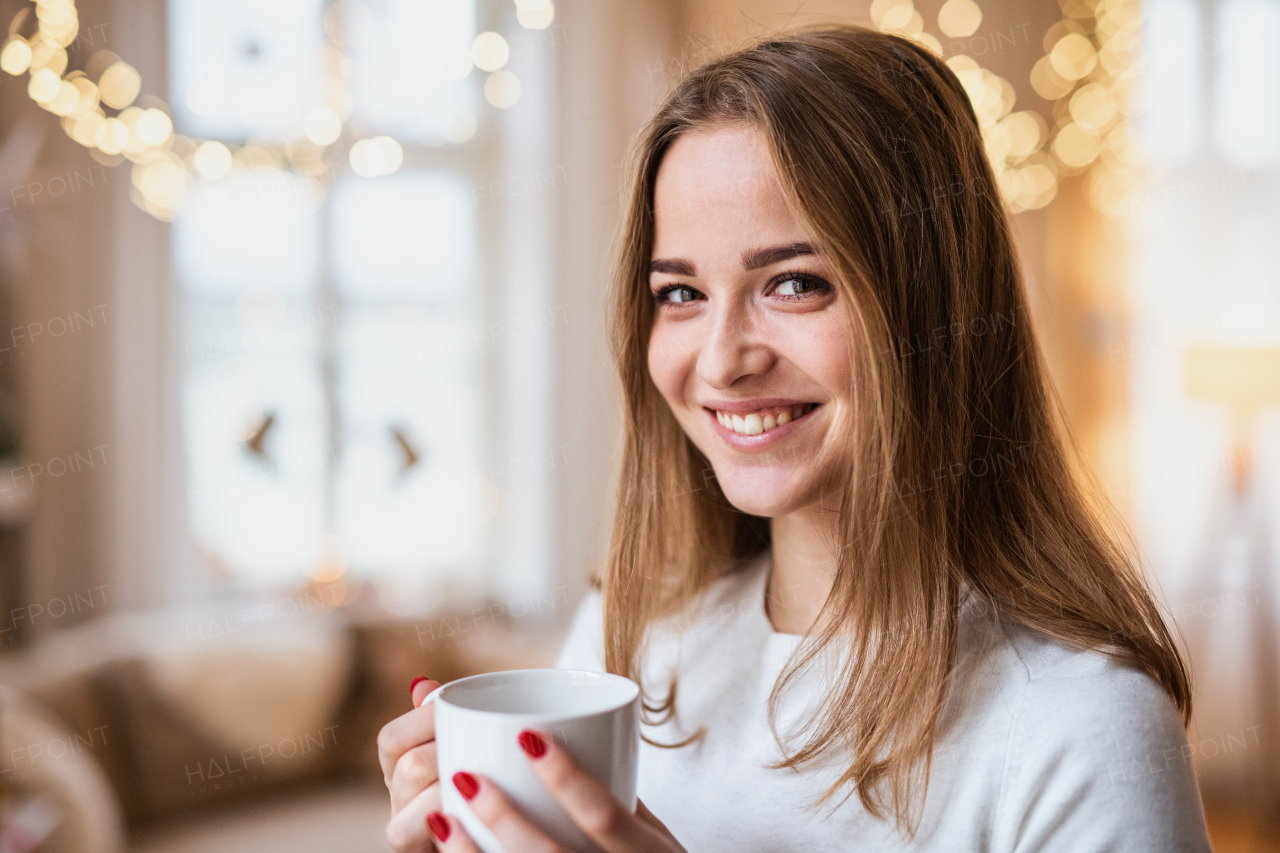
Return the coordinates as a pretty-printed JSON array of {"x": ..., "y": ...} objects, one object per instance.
[{"x": 867, "y": 602}]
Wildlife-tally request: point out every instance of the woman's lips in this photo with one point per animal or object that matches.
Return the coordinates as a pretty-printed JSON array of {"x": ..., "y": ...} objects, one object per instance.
[{"x": 774, "y": 423}]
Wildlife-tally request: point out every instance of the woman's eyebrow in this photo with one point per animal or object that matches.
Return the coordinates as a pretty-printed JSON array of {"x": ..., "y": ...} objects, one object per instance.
[
  {"x": 672, "y": 266},
  {"x": 751, "y": 260},
  {"x": 759, "y": 258}
]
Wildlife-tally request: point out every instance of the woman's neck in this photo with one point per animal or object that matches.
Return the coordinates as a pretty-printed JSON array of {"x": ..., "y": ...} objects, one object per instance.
[{"x": 803, "y": 566}]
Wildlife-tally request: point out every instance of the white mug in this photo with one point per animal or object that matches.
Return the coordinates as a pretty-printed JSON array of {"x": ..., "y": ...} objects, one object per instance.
[{"x": 594, "y": 716}]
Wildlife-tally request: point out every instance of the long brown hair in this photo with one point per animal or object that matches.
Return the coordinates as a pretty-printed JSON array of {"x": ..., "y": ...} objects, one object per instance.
[{"x": 959, "y": 478}]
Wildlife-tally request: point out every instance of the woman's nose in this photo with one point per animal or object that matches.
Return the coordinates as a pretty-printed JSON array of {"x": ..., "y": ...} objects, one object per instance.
[{"x": 731, "y": 349}]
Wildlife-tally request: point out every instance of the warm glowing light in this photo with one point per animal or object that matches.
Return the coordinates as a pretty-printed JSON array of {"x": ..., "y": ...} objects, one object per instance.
[
  {"x": 44, "y": 86},
  {"x": 256, "y": 157},
  {"x": 154, "y": 127},
  {"x": 381, "y": 155},
  {"x": 392, "y": 153},
  {"x": 502, "y": 89},
  {"x": 881, "y": 8},
  {"x": 1093, "y": 107},
  {"x": 1034, "y": 186},
  {"x": 213, "y": 159},
  {"x": 931, "y": 42},
  {"x": 1048, "y": 83},
  {"x": 322, "y": 126},
  {"x": 55, "y": 12},
  {"x": 1073, "y": 56},
  {"x": 135, "y": 149},
  {"x": 66, "y": 101},
  {"x": 162, "y": 181},
  {"x": 88, "y": 101},
  {"x": 1025, "y": 131},
  {"x": 1075, "y": 146},
  {"x": 112, "y": 136},
  {"x": 536, "y": 19},
  {"x": 15, "y": 58},
  {"x": 48, "y": 55},
  {"x": 490, "y": 51},
  {"x": 897, "y": 17},
  {"x": 119, "y": 85},
  {"x": 62, "y": 31},
  {"x": 84, "y": 129},
  {"x": 959, "y": 18}
]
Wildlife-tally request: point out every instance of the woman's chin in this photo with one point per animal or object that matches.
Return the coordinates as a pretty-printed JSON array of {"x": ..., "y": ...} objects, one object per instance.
[{"x": 753, "y": 501}]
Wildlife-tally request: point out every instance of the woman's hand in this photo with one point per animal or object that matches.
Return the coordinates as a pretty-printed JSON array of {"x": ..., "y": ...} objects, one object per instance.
[
  {"x": 407, "y": 753},
  {"x": 591, "y": 805}
]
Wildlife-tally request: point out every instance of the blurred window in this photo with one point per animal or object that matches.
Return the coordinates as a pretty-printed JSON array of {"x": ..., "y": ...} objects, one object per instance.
[
  {"x": 1205, "y": 263},
  {"x": 335, "y": 408}
]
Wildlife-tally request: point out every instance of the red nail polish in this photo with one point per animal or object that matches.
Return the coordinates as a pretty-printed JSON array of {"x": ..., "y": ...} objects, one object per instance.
[
  {"x": 532, "y": 744},
  {"x": 466, "y": 784},
  {"x": 438, "y": 825},
  {"x": 414, "y": 683}
]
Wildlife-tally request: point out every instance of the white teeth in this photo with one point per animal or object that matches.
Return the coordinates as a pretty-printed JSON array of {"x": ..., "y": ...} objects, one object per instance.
[{"x": 755, "y": 423}]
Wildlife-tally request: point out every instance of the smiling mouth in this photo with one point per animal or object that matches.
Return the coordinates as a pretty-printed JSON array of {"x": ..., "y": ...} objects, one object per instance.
[{"x": 763, "y": 420}]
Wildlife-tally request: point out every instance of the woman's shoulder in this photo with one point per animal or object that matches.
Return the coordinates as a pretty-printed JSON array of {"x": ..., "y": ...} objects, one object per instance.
[
  {"x": 583, "y": 644},
  {"x": 736, "y": 594},
  {"x": 1094, "y": 743},
  {"x": 1042, "y": 681}
]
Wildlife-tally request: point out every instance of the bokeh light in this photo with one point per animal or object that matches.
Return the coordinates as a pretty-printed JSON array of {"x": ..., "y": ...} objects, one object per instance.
[
  {"x": 490, "y": 51},
  {"x": 502, "y": 89}
]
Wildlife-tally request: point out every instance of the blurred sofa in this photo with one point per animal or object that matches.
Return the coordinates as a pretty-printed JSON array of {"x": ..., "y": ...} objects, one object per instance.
[{"x": 221, "y": 729}]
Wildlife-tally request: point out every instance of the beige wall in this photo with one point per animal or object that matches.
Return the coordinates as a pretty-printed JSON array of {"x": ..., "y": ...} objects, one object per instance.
[{"x": 98, "y": 391}]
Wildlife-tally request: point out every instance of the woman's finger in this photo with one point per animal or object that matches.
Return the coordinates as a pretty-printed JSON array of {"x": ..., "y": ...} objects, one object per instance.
[
  {"x": 496, "y": 811},
  {"x": 414, "y": 773},
  {"x": 408, "y": 730},
  {"x": 407, "y": 831},
  {"x": 642, "y": 812},
  {"x": 449, "y": 835},
  {"x": 591, "y": 805}
]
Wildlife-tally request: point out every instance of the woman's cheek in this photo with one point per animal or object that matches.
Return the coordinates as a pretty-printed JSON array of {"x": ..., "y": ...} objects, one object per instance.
[{"x": 664, "y": 362}]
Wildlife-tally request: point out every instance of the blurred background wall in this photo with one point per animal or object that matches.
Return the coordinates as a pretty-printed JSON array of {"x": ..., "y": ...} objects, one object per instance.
[{"x": 303, "y": 388}]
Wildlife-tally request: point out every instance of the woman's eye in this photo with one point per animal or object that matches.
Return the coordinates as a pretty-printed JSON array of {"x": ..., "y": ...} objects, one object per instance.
[
  {"x": 794, "y": 286},
  {"x": 677, "y": 293}
]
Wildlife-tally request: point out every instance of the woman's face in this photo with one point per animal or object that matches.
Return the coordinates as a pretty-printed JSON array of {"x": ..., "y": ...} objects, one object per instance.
[{"x": 750, "y": 345}]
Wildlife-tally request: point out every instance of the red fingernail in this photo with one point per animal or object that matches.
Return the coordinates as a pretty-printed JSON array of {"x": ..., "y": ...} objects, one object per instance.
[
  {"x": 466, "y": 784},
  {"x": 414, "y": 683},
  {"x": 532, "y": 744},
  {"x": 438, "y": 825}
]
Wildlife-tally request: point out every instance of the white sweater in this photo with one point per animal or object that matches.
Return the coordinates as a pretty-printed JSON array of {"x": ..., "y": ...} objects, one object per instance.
[{"x": 1042, "y": 748}]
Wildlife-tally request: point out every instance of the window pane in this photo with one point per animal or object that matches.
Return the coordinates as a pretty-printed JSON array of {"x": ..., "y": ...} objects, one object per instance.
[
  {"x": 245, "y": 67},
  {"x": 405, "y": 237},
  {"x": 260, "y": 513},
  {"x": 255, "y": 229},
  {"x": 410, "y": 61},
  {"x": 1247, "y": 126},
  {"x": 413, "y": 501},
  {"x": 1170, "y": 117}
]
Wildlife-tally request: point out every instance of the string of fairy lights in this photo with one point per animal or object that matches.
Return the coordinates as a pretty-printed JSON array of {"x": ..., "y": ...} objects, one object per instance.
[
  {"x": 1085, "y": 72},
  {"x": 100, "y": 108}
]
